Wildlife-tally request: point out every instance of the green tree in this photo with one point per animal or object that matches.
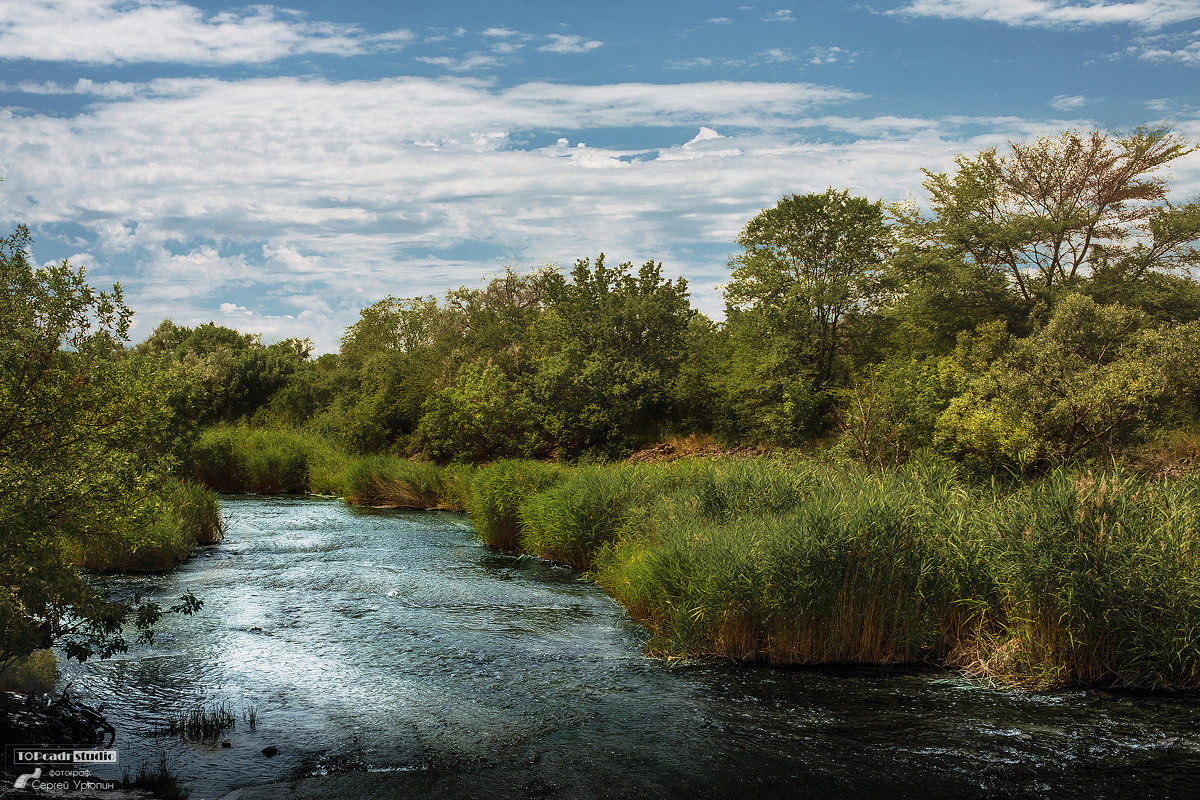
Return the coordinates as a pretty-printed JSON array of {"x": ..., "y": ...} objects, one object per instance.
[
  {"x": 610, "y": 347},
  {"x": 1086, "y": 383},
  {"x": 83, "y": 442},
  {"x": 1044, "y": 214},
  {"x": 809, "y": 267},
  {"x": 481, "y": 417}
]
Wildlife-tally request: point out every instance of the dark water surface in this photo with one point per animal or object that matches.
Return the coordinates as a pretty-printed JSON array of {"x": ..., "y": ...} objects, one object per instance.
[{"x": 392, "y": 652}]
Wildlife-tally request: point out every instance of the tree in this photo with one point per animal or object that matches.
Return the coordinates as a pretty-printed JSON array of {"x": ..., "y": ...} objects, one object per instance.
[
  {"x": 808, "y": 267},
  {"x": 1053, "y": 207},
  {"x": 611, "y": 344},
  {"x": 83, "y": 443},
  {"x": 1088, "y": 381}
]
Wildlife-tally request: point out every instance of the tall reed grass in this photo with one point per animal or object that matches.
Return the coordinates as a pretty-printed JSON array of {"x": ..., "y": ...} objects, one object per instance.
[
  {"x": 497, "y": 492},
  {"x": 390, "y": 481},
  {"x": 267, "y": 461},
  {"x": 182, "y": 515},
  {"x": 1077, "y": 579}
]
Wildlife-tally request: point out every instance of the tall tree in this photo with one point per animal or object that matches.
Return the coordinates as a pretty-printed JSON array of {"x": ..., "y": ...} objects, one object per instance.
[
  {"x": 808, "y": 266},
  {"x": 1053, "y": 207}
]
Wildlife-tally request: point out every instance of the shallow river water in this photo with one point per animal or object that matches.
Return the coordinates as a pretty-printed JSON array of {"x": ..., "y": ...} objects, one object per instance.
[{"x": 393, "y": 654}]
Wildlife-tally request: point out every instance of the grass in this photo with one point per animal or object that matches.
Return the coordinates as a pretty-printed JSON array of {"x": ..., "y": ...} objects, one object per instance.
[
  {"x": 393, "y": 482},
  {"x": 159, "y": 781},
  {"x": 250, "y": 716},
  {"x": 267, "y": 461},
  {"x": 201, "y": 723},
  {"x": 497, "y": 492},
  {"x": 1074, "y": 580},
  {"x": 182, "y": 515},
  {"x": 31, "y": 674}
]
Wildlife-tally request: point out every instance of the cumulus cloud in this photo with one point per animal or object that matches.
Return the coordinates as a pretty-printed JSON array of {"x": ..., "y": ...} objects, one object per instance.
[
  {"x": 1058, "y": 13},
  {"x": 782, "y": 15},
  {"x": 1181, "y": 48},
  {"x": 131, "y": 31}
]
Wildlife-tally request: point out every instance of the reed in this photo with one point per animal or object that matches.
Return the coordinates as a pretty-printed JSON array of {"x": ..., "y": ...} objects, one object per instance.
[
  {"x": 201, "y": 723},
  {"x": 180, "y": 516},
  {"x": 159, "y": 781},
  {"x": 497, "y": 492},
  {"x": 197, "y": 508},
  {"x": 1100, "y": 581},
  {"x": 266, "y": 461},
  {"x": 851, "y": 568},
  {"x": 393, "y": 482},
  {"x": 571, "y": 520}
]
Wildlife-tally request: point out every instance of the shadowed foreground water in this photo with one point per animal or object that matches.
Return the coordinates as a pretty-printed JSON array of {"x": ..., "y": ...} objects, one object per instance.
[{"x": 390, "y": 655}]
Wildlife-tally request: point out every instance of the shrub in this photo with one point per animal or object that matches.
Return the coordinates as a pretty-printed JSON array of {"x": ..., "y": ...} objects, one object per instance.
[{"x": 31, "y": 674}]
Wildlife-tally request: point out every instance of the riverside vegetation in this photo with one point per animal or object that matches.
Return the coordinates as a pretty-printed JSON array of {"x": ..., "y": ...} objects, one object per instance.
[
  {"x": 981, "y": 420},
  {"x": 1075, "y": 578}
]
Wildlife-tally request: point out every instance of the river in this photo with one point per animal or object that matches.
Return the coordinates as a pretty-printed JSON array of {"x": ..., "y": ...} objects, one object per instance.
[{"x": 388, "y": 654}]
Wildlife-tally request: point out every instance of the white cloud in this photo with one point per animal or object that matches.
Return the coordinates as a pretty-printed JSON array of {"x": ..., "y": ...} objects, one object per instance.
[
  {"x": 301, "y": 201},
  {"x": 131, "y": 31},
  {"x": 562, "y": 43},
  {"x": 720, "y": 21},
  {"x": 705, "y": 135},
  {"x": 1183, "y": 48},
  {"x": 830, "y": 55},
  {"x": 500, "y": 33},
  {"x": 782, "y": 15},
  {"x": 1065, "y": 102},
  {"x": 469, "y": 62},
  {"x": 1058, "y": 13},
  {"x": 777, "y": 56}
]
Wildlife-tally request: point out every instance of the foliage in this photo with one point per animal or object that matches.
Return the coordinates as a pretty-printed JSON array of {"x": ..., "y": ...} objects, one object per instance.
[
  {"x": 84, "y": 442},
  {"x": 31, "y": 674},
  {"x": 270, "y": 461},
  {"x": 393, "y": 482},
  {"x": 497, "y": 492},
  {"x": 482, "y": 416},
  {"x": 809, "y": 267},
  {"x": 1077, "y": 386},
  {"x": 1054, "y": 206}
]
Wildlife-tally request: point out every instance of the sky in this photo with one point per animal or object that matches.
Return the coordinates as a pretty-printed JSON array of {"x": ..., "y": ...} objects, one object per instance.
[{"x": 276, "y": 168}]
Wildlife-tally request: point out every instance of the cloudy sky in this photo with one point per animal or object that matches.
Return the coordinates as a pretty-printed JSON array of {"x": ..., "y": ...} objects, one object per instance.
[{"x": 277, "y": 167}]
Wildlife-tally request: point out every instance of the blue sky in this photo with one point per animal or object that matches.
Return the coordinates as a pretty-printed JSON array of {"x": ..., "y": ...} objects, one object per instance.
[{"x": 277, "y": 167}]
